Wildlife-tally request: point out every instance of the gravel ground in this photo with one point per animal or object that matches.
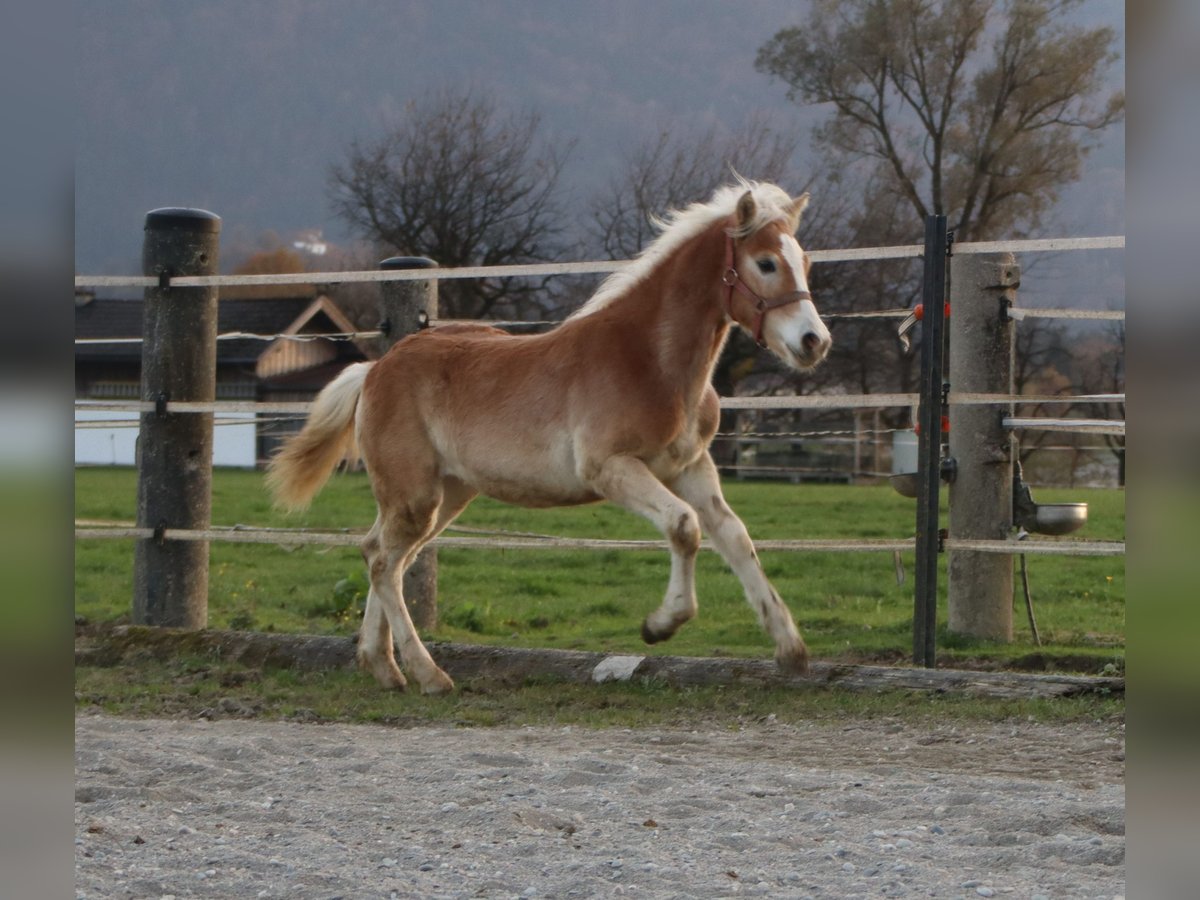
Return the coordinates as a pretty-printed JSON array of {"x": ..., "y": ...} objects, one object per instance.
[{"x": 239, "y": 809}]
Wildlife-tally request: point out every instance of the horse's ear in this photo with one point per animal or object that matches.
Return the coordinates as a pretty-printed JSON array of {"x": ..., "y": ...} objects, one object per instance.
[
  {"x": 746, "y": 208},
  {"x": 795, "y": 208}
]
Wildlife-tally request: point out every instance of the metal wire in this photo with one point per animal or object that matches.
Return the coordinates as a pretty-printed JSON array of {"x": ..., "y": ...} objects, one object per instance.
[{"x": 248, "y": 336}]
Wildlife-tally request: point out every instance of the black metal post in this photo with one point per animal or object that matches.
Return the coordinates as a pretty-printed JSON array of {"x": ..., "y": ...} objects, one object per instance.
[
  {"x": 929, "y": 442},
  {"x": 407, "y": 307},
  {"x": 174, "y": 450}
]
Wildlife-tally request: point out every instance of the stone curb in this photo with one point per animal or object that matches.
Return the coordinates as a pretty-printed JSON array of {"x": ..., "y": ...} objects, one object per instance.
[{"x": 514, "y": 665}]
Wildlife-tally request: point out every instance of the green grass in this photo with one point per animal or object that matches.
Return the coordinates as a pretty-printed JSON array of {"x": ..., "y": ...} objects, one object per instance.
[
  {"x": 849, "y": 606},
  {"x": 192, "y": 686}
]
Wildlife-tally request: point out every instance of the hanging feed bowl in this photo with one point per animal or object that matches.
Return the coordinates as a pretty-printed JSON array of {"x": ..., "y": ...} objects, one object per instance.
[
  {"x": 1059, "y": 518},
  {"x": 905, "y": 484}
]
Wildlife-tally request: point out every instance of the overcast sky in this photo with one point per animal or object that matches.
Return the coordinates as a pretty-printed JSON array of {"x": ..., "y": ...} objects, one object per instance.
[{"x": 241, "y": 108}]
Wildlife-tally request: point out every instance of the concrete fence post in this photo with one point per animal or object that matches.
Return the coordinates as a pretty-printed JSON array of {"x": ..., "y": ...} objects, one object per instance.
[
  {"x": 980, "y": 585},
  {"x": 174, "y": 450},
  {"x": 406, "y": 307}
]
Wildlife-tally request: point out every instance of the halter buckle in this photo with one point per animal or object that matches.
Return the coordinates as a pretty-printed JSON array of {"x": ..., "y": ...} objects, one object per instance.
[{"x": 730, "y": 277}]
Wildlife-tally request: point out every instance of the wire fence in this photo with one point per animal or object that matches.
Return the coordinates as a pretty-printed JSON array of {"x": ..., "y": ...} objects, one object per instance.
[{"x": 256, "y": 412}]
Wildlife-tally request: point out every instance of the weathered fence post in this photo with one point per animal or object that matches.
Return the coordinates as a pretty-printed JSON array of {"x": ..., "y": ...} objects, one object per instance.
[
  {"x": 406, "y": 307},
  {"x": 174, "y": 449},
  {"x": 981, "y": 505}
]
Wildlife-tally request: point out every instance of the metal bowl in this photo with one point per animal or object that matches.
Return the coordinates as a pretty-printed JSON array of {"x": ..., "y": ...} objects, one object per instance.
[
  {"x": 905, "y": 484},
  {"x": 1060, "y": 518}
]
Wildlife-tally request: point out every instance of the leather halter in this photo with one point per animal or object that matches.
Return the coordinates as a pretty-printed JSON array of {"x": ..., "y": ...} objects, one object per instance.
[{"x": 733, "y": 281}]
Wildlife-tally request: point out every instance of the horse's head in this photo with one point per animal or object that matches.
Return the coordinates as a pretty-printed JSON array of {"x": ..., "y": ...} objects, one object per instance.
[{"x": 766, "y": 279}]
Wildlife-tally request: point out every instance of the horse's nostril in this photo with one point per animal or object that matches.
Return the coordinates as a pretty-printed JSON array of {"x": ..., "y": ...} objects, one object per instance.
[{"x": 810, "y": 341}]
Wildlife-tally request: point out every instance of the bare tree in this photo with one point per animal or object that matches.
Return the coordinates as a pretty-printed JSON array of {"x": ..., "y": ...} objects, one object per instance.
[
  {"x": 677, "y": 167},
  {"x": 1041, "y": 365},
  {"x": 980, "y": 110},
  {"x": 1102, "y": 371},
  {"x": 464, "y": 183}
]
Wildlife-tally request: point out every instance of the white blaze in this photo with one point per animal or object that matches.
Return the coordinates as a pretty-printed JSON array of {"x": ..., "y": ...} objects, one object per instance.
[{"x": 794, "y": 322}]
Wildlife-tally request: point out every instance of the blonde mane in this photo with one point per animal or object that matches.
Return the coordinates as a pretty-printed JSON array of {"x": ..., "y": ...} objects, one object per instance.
[{"x": 681, "y": 225}]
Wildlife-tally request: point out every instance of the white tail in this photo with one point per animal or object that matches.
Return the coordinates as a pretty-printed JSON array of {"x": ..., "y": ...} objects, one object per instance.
[{"x": 298, "y": 471}]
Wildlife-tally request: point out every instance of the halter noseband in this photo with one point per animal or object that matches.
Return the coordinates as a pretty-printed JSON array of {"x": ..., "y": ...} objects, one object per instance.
[{"x": 733, "y": 281}]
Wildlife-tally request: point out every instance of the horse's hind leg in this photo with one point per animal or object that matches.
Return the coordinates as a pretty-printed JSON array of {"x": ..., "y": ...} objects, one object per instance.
[
  {"x": 387, "y": 560},
  {"x": 375, "y": 652},
  {"x": 390, "y": 548},
  {"x": 701, "y": 487}
]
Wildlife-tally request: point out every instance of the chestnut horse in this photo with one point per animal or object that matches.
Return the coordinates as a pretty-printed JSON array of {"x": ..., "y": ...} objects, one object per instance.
[{"x": 614, "y": 404}]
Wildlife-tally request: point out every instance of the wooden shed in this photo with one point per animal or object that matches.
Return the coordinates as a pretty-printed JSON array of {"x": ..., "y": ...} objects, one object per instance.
[{"x": 252, "y": 362}]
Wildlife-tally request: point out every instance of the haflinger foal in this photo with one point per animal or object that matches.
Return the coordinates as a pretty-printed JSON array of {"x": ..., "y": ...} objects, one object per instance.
[{"x": 616, "y": 403}]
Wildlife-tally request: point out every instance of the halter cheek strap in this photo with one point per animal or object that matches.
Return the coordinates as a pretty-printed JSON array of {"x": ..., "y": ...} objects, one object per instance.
[{"x": 733, "y": 282}]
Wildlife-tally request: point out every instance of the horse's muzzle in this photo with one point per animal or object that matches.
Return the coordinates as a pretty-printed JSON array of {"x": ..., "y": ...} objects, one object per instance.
[{"x": 813, "y": 348}]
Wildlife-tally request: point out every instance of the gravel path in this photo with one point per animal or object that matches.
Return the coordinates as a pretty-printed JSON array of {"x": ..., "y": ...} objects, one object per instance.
[{"x": 240, "y": 809}]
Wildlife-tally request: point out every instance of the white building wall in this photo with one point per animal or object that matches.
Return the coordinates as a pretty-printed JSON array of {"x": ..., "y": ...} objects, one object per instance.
[{"x": 233, "y": 445}]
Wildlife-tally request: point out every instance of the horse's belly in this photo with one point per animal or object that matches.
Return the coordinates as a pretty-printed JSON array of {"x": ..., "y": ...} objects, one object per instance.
[
  {"x": 536, "y": 496},
  {"x": 531, "y": 478},
  {"x": 535, "y": 487}
]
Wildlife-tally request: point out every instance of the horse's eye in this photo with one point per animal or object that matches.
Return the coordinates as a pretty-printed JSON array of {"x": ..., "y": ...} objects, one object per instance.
[{"x": 766, "y": 266}]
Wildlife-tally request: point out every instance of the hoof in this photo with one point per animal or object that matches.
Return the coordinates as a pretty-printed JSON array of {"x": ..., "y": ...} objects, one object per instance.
[
  {"x": 391, "y": 681},
  {"x": 441, "y": 683},
  {"x": 650, "y": 636},
  {"x": 793, "y": 660},
  {"x": 388, "y": 674}
]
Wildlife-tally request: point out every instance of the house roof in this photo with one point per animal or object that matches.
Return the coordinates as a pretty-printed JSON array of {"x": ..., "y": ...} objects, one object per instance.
[
  {"x": 284, "y": 357},
  {"x": 115, "y": 318}
]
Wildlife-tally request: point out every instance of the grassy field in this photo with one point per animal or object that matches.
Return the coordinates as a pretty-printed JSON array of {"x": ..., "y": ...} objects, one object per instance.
[
  {"x": 187, "y": 687},
  {"x": 848, "y": 606}
]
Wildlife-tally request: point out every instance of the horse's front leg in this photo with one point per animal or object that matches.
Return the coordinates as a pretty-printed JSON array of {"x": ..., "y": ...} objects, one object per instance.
[
  {"x": 627, "y": 482},
  {"x": 700, "y": 486}
]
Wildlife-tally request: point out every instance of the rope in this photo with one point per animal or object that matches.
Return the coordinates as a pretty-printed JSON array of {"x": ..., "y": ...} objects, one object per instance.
[
  {"x": 359, "y": 277},
  {"x": 217, "y": 423},
  {"x": 1082, "y": 426},
  {"x": 779, "y": 435},
  {"x": 1040, "y": 548},
  {"x": 1015, "y": 313},
  {"x": 846, "y": 401},
  {"x": 869, "y": 314},
  {"x": 295, "y": 407},
  {"x": 810, "y": 401},
  {"x": 820, "y": 401},
  {"x": 970, "y": 399},
  {"x": 1018, "y": 313},
  {"x": 497, "y": 323},
  {"x": 242, "y": 534},
  {"x": 283, "y": 537},
  {"x": 896, "y": 313},
  {"x": 597, "y": 267},
  {"x": 1042, "y": 245}
]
